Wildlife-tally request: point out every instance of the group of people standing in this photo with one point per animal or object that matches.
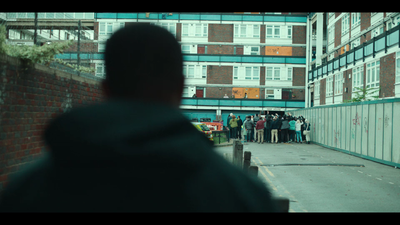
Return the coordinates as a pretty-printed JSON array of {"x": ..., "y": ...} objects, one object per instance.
[{"x": 270, "y": 128}]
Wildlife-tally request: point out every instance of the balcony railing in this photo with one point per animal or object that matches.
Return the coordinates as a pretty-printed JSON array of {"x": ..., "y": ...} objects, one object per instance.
[
  {"x": 234, "y": 102},
  {"x": 205, "y": 17},
  {"x": 371, "y": 47}
]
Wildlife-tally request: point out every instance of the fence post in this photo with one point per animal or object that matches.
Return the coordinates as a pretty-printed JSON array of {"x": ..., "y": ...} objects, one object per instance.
[{"x": 237, "y": 153}]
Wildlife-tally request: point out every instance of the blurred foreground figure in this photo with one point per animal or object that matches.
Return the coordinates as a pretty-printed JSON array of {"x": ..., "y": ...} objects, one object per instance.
[{"x": 135, "y": 152}]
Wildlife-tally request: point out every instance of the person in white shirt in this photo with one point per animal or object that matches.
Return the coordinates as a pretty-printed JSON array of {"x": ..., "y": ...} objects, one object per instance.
[
  {"x": 298, "y": 131},
  {"x": 226, "y": 96}
]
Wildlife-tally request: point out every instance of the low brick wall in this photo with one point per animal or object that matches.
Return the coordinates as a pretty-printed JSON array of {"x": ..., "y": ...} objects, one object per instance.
[{"x": 29, "y": 99}]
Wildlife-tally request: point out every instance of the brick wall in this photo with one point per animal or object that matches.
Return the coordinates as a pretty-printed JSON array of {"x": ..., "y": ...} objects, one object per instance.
[
  {"x": 220, "y": 33},
  {"x": 179, "y": 31},
  {"x": 298, "y": 51},
  {"x": 298, "y": 80},
  {"x": 28, "y": 101},
  {"x": 220, "y": 50},
  {"x": 96, "y": 30},
  {"x": 348, "y": 83},
  {"x": 85, "y": 46},
  {"x": 262, "y": 34},
  {"x": 365, "y": 20},
  {"x": 338, "y": 32},
  {"x": 219, "y": 75},
  {"x": 387, "y": 75},
  {"x": 322, "y": 92},
  {"x": 299, "y": 35}
]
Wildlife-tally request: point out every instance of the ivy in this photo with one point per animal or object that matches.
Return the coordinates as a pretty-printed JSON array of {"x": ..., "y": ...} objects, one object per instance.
[
  {"x": 38, "y": 54},
  {"x": 362, "y": 95}
]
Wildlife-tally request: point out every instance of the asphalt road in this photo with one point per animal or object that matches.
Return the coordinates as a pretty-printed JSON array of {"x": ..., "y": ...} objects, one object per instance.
[{"x": 317, "y": 179}]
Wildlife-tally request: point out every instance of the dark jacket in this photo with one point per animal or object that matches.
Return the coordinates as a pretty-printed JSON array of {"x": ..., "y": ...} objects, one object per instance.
[
  {"x": 285, "y": 124},
  {"x": 101, "y": 158},
  {"x": 249, "y": 124},
  {"x": 307, "y": 126},
  {"x": 275, "y": 124},
  {"x": 240, "y": 123},
  {"x": 268, "y": 123}
]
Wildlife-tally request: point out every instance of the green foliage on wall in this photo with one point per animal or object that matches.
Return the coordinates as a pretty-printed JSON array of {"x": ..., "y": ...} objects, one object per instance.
[
  {"x": 38, "y": 54},
  {"x": 363, "y": 94}
]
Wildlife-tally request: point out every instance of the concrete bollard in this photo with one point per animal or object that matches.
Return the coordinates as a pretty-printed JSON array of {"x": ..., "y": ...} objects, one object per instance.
[
  {"x": 238, "y": 153},
  {"x": 247, "y": 160}
]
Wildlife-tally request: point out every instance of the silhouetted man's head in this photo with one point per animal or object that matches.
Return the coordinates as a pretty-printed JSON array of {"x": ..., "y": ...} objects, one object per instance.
[{"x": 144, "y": 62}]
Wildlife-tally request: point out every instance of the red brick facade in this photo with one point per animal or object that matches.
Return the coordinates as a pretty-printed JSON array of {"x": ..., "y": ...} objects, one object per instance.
[{"x": 32, "y": 98}]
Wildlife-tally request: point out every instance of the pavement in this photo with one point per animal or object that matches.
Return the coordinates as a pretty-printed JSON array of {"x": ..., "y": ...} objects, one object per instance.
[{"x": 318, "y": 179}]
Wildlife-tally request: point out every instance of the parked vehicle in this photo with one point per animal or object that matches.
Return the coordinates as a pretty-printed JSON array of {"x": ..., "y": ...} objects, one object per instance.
[{"x": 204, "y": 129}]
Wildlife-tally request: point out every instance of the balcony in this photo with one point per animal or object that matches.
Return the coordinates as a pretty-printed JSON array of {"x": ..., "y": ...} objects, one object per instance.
[{"x": 242, "y": 103}]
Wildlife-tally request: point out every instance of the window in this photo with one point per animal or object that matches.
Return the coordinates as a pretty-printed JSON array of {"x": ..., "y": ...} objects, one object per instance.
[
  {"x": 246, "y": 30},
  {"x": 251, "y": 50},
  {"x": 255, "y": 51},
  {"x": 358, "y": 78},
  {"x": 185, "y": 92},
  {"x": 345, "y": 24},
  {"x": 338, "y": 83},
  {"x": 377, "y": 31},
  {"x": 316, "y": 90},
  {"x": 195, "y": 71},
  {"x": 273, "y": 31},
  {"x": 289, "y": 32},
  {"x": 331, "y": 34},
  {"x": 246, "y": 73},
  {"x": 269, "y": 94},
  {"x": 289, "y": 73},
  {"x": 355, "y": 43},
  {"x": 398, "y": 67},
  {"x": 329, "y": 86},
  {"x": 185, "y": 49},
  {"x": 108, "y": 28},
  {"x": 204, "y": 71},
  {"x": 355, "y": 19},
  {"x": 273, "y": 73},
  {"x": 194, "y": 30},
  {"x": 185, "y": 29},
  {"x": 100, "y": 70},
  {"x": 373, "y": 70},
  {"x": 171, "y": 27},
  {"x": 102, "y": 47}
]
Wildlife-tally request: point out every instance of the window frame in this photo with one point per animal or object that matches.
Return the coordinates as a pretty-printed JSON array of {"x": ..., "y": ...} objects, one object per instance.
[
  {"x": 355, "y": 19},
  {"x": 358, "y": 78},
  {"x": 317, "y": 85},
  {"x": 397, "y": 68},
  {"x": 339, "y": 83},
  {"x": 373, "y": 71},
  {"x": 345, "y": 24},
  {"x": 246, "y": 31},
  {"x": 329, "y": 86},
  {"x": 241, "y": 73}
]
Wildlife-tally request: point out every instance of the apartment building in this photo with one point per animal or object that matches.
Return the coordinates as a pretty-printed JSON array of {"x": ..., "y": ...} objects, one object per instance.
[
  {"x": 53, "y": 27},
  {"x": 260, "y": 54},
  {"x": 353, "y": 50}
]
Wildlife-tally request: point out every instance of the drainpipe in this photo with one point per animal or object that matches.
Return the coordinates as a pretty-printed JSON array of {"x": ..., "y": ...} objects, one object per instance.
[{"x": 307, "y": 102}]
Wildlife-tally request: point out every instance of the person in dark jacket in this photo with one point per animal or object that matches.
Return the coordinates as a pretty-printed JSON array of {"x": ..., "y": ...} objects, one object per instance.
[
  {"x": 279, "y": 123},
  {"x": 284, "y": 129},
  {"x": 101, "y": 158},
  {"x": 267, "y": 133},
  {"x": 249, "y": 126},
  {"x": 274, "y": 130},
  {"x": 240, "y": 123}
]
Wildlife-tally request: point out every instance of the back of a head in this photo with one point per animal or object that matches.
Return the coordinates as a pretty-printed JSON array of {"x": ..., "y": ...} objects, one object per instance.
[{"x": 140, "y": 56}]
